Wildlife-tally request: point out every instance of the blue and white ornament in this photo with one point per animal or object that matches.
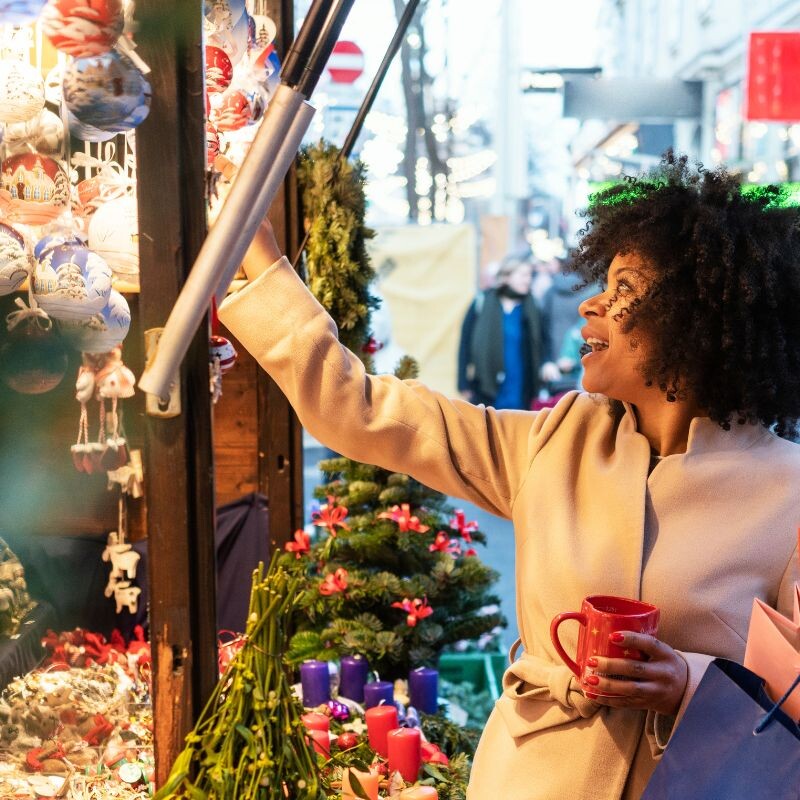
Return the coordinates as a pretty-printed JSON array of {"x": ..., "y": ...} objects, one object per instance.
[
  {"x": 70, "y": 282},
  {"x": 103, "y": 331},
  {"x": 105, "y": 91},
  {"x": 14, "y": 262},
  {"x": 52, "y": 240}
]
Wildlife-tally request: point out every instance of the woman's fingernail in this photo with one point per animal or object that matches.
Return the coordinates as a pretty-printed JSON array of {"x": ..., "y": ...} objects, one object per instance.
[
  {"x": 591, "y": 680},
  {"x": 591, "y": 662},
  {"x": 617, "y": 637}
]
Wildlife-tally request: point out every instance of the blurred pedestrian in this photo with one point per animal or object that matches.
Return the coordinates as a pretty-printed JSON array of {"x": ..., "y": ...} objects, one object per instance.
[{"x": 501, "y": 340}]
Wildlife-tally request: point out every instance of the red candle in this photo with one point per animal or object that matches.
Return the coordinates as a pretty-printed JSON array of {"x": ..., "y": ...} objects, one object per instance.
[
  {"x": 380, "y": 720},
  {"x": 316, "y": 722},
  {"x": 368, "y": 780},
  {"x": 419, "y": 793},
  {"x": 405, "y": 757},
  {"x": 321, "y": 741}
]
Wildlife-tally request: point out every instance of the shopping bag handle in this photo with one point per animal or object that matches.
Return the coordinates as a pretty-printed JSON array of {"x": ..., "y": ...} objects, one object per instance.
[{"x": 768, "y": 717}]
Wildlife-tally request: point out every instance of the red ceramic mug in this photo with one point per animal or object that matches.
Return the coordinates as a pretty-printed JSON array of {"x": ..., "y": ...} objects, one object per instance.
[{"x": 599, "y": 617}]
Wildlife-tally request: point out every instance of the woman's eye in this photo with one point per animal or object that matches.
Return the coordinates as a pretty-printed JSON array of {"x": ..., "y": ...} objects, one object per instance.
[{"x": 623, "y": 287}]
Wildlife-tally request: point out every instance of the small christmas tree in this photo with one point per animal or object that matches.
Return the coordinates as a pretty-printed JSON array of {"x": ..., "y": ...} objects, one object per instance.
[{"x": 392, "y": 574}]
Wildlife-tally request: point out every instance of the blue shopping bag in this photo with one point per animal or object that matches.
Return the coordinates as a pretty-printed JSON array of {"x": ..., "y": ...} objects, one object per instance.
[{"x": 733, "y": 743}]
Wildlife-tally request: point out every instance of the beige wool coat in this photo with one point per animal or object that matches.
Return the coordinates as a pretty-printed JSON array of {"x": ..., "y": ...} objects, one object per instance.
[{"x": 700, "y": 536}]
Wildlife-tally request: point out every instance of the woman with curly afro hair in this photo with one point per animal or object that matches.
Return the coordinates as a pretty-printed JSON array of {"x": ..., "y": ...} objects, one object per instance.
[{"x": 686, "y": 495}]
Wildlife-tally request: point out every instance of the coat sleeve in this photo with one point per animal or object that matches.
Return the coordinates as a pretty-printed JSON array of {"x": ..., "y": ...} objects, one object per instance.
[{"x": 466, "y": 451}]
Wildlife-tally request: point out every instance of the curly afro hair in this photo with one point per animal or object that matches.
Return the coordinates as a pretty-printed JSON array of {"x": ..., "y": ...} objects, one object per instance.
[{"x": 722, "y": 315}]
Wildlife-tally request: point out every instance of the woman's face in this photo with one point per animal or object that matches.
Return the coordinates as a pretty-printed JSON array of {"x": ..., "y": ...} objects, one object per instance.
[{"x": 613, "y": 366}]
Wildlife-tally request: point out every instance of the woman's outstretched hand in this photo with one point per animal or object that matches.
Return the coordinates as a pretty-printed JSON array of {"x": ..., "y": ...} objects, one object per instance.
[
  {"x": 263, "y": 252},
  {"x": 657, "y": 684}
]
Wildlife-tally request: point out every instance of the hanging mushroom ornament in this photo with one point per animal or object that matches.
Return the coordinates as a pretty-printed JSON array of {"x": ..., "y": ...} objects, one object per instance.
[
  {"x": 70, "y": 282},
  {"x": 21, "y": 91},
  {"x": 20, "y": 12},
  {"x": 105, "y": 91},
  {"x": 33, "y": 359},
  {"x": 35, "y": 189},
  {"x": 83, "y": 27},
  {"x": 14, "y": 261}
]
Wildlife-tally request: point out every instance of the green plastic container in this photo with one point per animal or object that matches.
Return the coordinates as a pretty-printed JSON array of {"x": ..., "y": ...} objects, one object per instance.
[{"x": 483, "y": 670}]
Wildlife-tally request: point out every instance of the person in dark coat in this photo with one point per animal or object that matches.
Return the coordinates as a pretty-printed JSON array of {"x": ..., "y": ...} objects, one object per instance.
[{"x": 501, "y": 341}]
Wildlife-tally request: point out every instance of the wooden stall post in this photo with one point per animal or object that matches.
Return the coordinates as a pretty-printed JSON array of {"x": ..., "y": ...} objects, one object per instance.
[
  {"x": 280, "y": 435},
  {"x": 171, "y": 163}
]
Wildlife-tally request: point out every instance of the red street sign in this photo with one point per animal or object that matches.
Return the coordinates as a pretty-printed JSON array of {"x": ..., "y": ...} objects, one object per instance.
[
  {"x": 346, "y": 62},
  {"x": 773, "y": 76}
]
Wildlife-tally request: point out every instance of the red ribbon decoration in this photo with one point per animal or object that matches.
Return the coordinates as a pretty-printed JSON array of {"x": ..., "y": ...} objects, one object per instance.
[
  {"x": 404, "y": 519},
  {"x": 300, "y": 545},
  {"x": 460, "y": 524},
  {"x": 334, "y": 582},
  {"x": 415, "y": 609},
  {"x": 331, "y": 516},
  {"x": 444, "y": 544}
]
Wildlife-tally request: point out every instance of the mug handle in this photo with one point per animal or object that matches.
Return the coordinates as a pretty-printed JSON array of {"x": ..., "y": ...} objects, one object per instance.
[{"x": 557, "y": 620}]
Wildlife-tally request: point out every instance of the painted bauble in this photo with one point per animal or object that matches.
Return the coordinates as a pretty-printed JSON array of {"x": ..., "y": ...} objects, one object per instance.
[
  {"x": 70, "y": 282},
  {"x": 241, "y": 105},
  {"x": 114, "y": 236},
  {"x": 233, "y": 40},
  {"x": 223, "y": 14},
  {"x": 35, "y": 189},
  {"x": 87, "y": 133},
  {"x": 21, "y": 91},
  {"x": 265, "y": 32},
  {"x": 346, "y": 740},
  {"x": 44, "y": 133},
  {"x": 83, "y": 27},
  {"x": 222, "y": 349},
  {"x": 219, "y": 70},
  {"x": 212, "y": 143},
  {"x": 20, "y": 12},
  {"x": 33, "y": 359},
  {"x": 13, "y": 259},
  {"x": 102, "y": 332},
  {"x": 136, "y": 117},
  {"x": 103, "y": 91},
  {"x": 52, "y": 240}
]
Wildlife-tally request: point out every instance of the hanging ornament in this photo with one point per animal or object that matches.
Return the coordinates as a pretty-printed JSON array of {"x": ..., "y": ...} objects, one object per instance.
[
  {"x": 114, "y": 236},
  {"x": 242, "y": 104},
  {"x": 53, "y": 83},
  {"x": 102, "y": 332},
  {"x": 224, "y": 352},
  {"x": 52, "y": 240},
  {"x": 233, "y": 40},
  {"x": 267, "y": 69},
  {"x": 265, "y": 32},
  {"x": 70, "y": 282},
  {"x": 83, "y": 27},
  {"x": 212, "y": 143},
  {"x": 35, "y": 189},
  {"x": 223, "y": 14},
  {"x": 20, "y": 12},
  {"x": 43, "y": 134},
  {"x": 87, "y": 133},
  {"x": 33, "y": 359},
  {"x": 14, "y": 262},
  {"x": 105, "y": 91},
  {"x": 21, "y": 91},
  {"x": 219, "y": 70}
]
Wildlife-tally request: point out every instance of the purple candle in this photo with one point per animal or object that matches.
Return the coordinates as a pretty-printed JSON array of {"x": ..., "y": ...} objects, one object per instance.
[
  {"x": 423, "y": 688},
  {"x": 316, "y": 682},
  {"x": 377, "y": 692},
  {"x": 352, "y": 677}
]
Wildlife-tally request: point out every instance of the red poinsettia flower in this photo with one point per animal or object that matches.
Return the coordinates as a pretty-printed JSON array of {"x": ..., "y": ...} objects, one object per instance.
[
  {"x": 460, "y": 524},
  {"x": 444, "y": 544},
  {"x": 334, "y": 582},
  {"x": 415, "y": 609},
  {"x": 300, "y": 545},
  {"x": 331, "y": 516},
  {"x": 405, "y": 520},
  {"x": 432, "y": 754}
]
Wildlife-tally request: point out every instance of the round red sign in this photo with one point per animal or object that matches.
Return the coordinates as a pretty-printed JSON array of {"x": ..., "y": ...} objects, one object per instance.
[{"x": 346, "y": 62}]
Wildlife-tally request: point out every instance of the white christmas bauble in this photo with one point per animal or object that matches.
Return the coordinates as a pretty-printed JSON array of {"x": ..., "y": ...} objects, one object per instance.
[
  {"x": 13, "y": 259},
  {"x": 114, "y": 235},
  {"x": 21, "y": 91},
  {"x": 20, "y": 12},
  {"x": 44, "y": 134},
  {"x": 70, "y": 282},
  {"x": 103, "y": 331}
]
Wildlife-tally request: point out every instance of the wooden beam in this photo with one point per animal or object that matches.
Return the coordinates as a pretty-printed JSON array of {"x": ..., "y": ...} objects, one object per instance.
[
  {"x": 171, "y": 163},
  {"x": 280, "y": 435}
]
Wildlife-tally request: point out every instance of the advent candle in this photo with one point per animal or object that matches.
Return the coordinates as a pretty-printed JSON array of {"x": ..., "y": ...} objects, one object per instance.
[
  {"x": 353, "y": 676},
  {"x": 423, "y": 688},
  {"x": 316, "y": 682},
  {"x": 321, "y": 741},
  {"x": 377, "y": 692},
  {"x": 405, "y": 756},
  {"x": 380, "y": 720},
  {"x": 368, "y": 780},
  {"x": 419, "y": 793},
  {"x": 316, "y": 722}
]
